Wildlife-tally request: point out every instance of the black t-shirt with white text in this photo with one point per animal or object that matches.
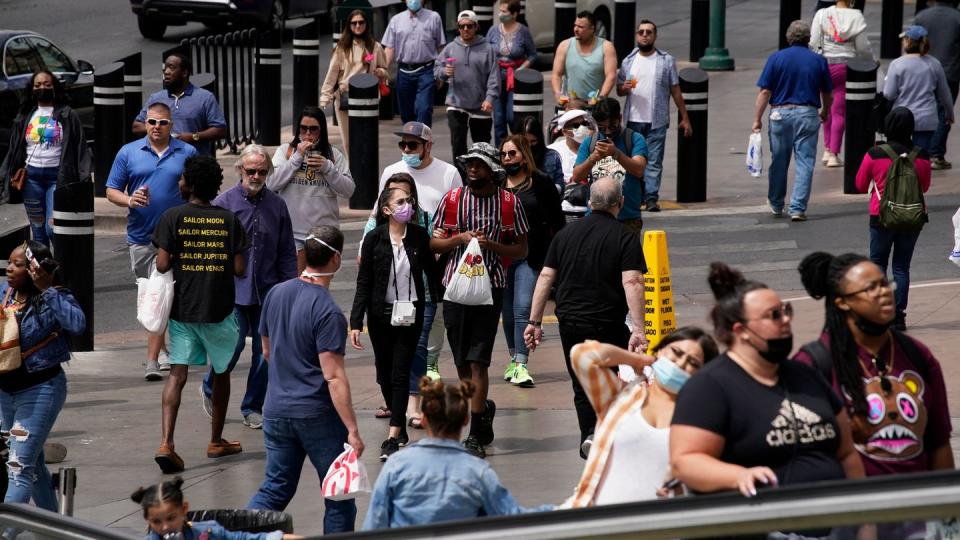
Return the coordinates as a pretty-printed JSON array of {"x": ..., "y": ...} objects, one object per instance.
[
  {"x": 202, "y": 242},
  {"x": 761, "y": 424}
]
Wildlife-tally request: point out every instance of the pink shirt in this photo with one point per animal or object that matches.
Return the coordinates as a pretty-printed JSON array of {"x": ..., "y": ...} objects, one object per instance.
[{"x": 875, "y": 168}]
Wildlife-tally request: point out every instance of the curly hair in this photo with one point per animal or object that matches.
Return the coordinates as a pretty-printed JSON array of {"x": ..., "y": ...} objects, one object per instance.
[{"x": 204, "y": 175}]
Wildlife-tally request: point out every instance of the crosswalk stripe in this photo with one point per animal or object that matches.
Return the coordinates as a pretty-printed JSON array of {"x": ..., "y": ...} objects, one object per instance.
[
  {"x": 730, "y": 227},
  {"x": 733, "y": 248},
  {"x": 748, "y": 270}
]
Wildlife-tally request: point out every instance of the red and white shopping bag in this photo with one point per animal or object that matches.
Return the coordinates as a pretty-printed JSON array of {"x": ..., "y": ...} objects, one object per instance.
[{"x": 346, "y": 477}]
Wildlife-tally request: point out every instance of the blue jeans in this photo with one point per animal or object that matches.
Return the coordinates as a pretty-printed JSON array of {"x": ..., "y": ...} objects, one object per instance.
[
  {"x": 517, "y": 298},
  {"x": 656, "y": 139},
  {"x": 502, "y": 111},
  {"x": 38, "y": 201},
  {"x": 882, "y": 242},
  {"x": 248, "y": 322},
  {"x": 34, "y": 411},
  {"x": 795, "y": 134},
  {"x": 938, "y": 146},
  {"x": 415, "y": 96},
  {"x": 924, "y": 139},
  {"x": 288, "y": 442},
  {"x": 418, "y": 368}
]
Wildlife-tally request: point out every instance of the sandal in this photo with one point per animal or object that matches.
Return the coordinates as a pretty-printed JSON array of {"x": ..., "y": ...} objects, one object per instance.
[
  {"x": 382, "y": 412},
  {"x": 415, "y": 422}
]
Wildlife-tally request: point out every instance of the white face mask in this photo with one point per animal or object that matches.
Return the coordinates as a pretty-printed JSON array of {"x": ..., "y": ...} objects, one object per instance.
[
  {"x": 321, "y": 274},
  {"x": 581, "y": 133}
]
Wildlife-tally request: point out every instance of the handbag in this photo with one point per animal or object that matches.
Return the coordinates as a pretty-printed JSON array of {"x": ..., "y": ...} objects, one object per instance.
[
  {"x": 18, "y": 178},
  {"x": 10, "y": 358}
]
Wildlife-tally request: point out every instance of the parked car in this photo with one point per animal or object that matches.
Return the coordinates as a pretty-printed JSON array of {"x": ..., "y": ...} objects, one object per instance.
[{"x": 154, "y": 16}]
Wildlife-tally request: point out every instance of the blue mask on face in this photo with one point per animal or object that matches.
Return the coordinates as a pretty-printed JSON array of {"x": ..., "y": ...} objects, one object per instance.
[
  {"x": 669, "y": 375},
  {"x": 412, "y": 160},
  {"x": 414, "y": 5}
]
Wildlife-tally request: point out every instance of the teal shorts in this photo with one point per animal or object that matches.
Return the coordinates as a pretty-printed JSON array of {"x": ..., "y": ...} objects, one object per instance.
[{"x": 192, "y": 343}]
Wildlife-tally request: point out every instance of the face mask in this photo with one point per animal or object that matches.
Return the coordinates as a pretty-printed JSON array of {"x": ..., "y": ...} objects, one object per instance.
[
  {"x": 44, "y": 94},
  {"x": 328, "y": 246},
  {"x": 581, "y": 133},
  {"x": 412, "y": 160},
  {"x": 513, "y": 168},
  {"x": 403, "y": 213},
  {"x": 669, "y": 375},
  {"x": 413, "y": 5},
  {"x": 778, "y": 349},
  {"x": 871, "y": 328},
  {"x": 506, "y": 18}
]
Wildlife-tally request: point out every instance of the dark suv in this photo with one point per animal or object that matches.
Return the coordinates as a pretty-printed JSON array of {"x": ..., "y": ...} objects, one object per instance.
[{"x": 153, "y": 16}]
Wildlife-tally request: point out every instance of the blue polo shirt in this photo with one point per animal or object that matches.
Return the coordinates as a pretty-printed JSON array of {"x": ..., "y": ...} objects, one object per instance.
[
  {"x": 796, "y": 76},
  {"x": 195, "y": 111},
  {"x": 632, "y": 186},
  {"x": 136, "y": 165}
]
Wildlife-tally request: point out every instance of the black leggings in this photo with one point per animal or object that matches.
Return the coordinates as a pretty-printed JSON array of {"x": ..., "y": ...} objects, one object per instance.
[{"x": 393, "y": 351}]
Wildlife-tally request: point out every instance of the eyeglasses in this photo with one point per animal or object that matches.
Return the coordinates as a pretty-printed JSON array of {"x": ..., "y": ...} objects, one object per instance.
[
  {"x": 645, "y": 32},
  {"x": 412, "y": 145},
  {"x": 470, "y": 26},
  {"x": 777, "y": 314},
  {"x": 309, "y": 129},
  {"x": 874, "y": 288},
  {"x": 509, "y": 154},
  {"x": 256, "y": 172},
  {"x": 358, "y": 23},
  {"x": 162, "y": 122}
]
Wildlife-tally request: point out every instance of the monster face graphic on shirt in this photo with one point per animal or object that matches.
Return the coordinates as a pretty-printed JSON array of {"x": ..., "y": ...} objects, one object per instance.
[
  {"x": 896, "y": 418},
  {"x": 45, "y": 131}
]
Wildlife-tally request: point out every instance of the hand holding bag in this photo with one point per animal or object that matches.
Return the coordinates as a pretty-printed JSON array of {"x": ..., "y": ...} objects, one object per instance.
[
  {"x": 755, "y": 154},
  {"x": 346, "y": 478},
  {"x": 10, "y": 358},
  {"x": 154, "y": 300},
  {"x": 470, "y": 284}
]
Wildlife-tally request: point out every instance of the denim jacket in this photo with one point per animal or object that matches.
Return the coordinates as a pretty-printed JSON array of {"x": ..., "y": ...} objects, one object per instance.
[
  {"x": 437, "y": 480},
  {"x": 667, "y": 78},
  {"x": 211, "y": 530},
  {"x": 59, "y": 311}
]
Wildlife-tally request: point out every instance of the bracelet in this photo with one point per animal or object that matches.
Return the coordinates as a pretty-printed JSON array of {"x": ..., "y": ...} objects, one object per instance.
[{"x": 538, "y": 324}]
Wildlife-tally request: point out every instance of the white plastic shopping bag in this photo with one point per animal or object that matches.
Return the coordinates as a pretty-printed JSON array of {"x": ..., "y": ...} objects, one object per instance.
[
  {"x": 154, "y": 299},
  {"x": 755, "y": 155},
  {"x": 346, "y": 476},
  {"x": 955, "y": 254},
  {"x": 470, "y": 284}
]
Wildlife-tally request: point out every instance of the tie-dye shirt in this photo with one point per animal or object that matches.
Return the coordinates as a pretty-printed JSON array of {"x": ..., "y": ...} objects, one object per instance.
[{"x": 44, "y": 135}]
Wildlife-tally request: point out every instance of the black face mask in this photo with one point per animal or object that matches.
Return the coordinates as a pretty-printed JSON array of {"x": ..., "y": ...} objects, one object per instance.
[
  {"x": 44, "y": 94},
  {"x": 513, "y": 168},
  {"x": 778, "y": 349},
  {"x": 871, "y": 328}
]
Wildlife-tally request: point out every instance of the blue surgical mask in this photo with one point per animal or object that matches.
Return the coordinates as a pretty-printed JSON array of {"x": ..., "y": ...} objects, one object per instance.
[
  {"x": 669, "y": 375},
  {"x": 412, "y": 160},
  {"x": 414, "y": 5}
]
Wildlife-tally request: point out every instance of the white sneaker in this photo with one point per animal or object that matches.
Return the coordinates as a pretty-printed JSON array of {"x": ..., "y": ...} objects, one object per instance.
[
  {"x": 834, "y": 162},
  {"x": 826, "y": 156},
  {"x": 164, "y": 361}
]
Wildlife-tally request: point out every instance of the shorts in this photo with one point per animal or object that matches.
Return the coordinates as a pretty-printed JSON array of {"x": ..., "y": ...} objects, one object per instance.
[
  {"x": 472, "y": 330},
  {"x": 192, "y": 343},
  {"x": 142, "y": 259}
]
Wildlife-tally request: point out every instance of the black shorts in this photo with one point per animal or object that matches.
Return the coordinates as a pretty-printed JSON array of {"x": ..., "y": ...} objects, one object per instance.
[{"x": 472, "y": 330}]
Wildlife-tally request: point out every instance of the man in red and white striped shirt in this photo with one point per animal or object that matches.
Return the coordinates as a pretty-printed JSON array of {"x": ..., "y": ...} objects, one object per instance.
[{"x": 496, "y": 219}]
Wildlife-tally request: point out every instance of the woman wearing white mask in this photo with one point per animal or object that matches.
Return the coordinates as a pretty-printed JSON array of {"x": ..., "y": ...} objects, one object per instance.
[
  {"x": 634, "y": 418},
  {"x": 575, "y": 126},
  {"x": 396, "y": 266}
]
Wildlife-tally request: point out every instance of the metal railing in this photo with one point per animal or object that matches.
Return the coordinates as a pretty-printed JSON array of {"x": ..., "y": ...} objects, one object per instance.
[{"x": 37, "y": 523}]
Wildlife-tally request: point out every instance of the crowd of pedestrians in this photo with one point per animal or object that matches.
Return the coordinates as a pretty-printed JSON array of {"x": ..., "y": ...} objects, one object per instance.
[{"x": 257, "y": 260}]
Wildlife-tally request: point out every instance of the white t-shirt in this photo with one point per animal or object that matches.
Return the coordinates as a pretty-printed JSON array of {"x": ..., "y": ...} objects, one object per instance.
[
  {"x": 43, "y": 135},
  {"x": 644, "y": 70},
  {"x": 638, "y": 462},
  {"x": 433, "y": 181},
  {"x": 400, "y": 287},
  {"x": 567, "y": 157}
]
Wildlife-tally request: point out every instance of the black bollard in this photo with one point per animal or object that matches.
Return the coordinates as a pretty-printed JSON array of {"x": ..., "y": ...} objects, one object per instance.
[
  {"x": 73, "y": 246},
  {"x": 699, "y": 28},
  {"x": 268, "y": 88},
  {"x": 921, "y": 5},
  {"x": 564, "y": 15},
  {"x": 692, "y": 151},
  {"x": 891, "y": 24},
  {"x": 132, "y": 92},
  {"x": 484, "y": 11},
  {"x": 860, "y": 129},
  {"x": 363, "y": 104},
  {"x": 306, "y": 68},
  {"x": 109, "y": 121},
  {"x": 624, "y": 27},
  {"x": 789, "y": 12},
  {"x": 527, "y": 97}
]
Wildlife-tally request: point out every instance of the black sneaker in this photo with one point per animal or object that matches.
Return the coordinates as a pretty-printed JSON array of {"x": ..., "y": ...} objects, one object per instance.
[
  {"x": 484, "y": 432},
  {"x": 652, "y": 206},
  {"x": 403, "y": 439},
  {"x": 474, "y": 447},
  {"x": 388, "y": 448}
]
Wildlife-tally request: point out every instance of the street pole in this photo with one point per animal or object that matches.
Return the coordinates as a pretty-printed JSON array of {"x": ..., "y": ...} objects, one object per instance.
[
  {"x": 717, "y": 57},
  {"x": 789, "y": 12},
  {"x": 891, "y": 24}
]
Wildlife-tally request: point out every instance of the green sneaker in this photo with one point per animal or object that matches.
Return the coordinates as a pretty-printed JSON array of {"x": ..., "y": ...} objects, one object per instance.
[
  {"x": 508, "y": 374},
  {"x": 433, "y": 372},
  {"x": 521, "y": 377}
]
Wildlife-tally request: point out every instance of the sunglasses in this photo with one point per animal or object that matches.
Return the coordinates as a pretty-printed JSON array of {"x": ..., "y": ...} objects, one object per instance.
[
  {"x": 309, "y": 129},
  {"x": 358, "y": 23},
  {"x": 412, "y": 145},
  {"x": 509, "y": 153},
  {"x": 470, "y": 26},
  {"x": 256, "y": 172},
  {"x": 573, "y": 125},
  {"x": 162, "y": 122},
  {"x": 645, "y": 32},
  {"x": 778, "y": 314}
]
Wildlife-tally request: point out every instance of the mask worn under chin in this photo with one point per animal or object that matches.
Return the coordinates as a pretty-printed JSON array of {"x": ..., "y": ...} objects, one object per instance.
[
  {"x": 669, "y": 375},
  {"x": 581, "y": 133},
  {"x": 778, "y": 349},
  {"x": 871, "y": 328},
  {"x": 412, "y": 160},
  {"x": 513, "y": 168},
  {"x": 44, "y": 94}
]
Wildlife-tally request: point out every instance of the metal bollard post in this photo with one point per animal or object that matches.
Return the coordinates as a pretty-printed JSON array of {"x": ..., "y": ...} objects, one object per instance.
[
  {"x": 624, "y": 26},
  {"x": 527, "y": 97},
  {"x": 789, "y": 12},
  {"x": 692, "y": 151},
  {"x": 73, "y": 244},
  {"x": 306, "y": 68},
  {"x": 132, "y": 92},
  {"x": 268, "y": 88},
  {"x": 484, "y": 11},
  {"x": 565, "y": 14},
  {"x": 891, "y": 24},
  {"x": 699, "y": 28},
  {"x": 109, "y": 104},
  {"x": 363, "y": 102},
  {"x": 66, "y": 486},
  {"x": 860, "y": 129}
]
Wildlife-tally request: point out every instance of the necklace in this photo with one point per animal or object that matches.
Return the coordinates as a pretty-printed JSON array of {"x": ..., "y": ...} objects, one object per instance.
[
  {"x": 881, "y": 365},
  {"x": 522, "y": 186}
]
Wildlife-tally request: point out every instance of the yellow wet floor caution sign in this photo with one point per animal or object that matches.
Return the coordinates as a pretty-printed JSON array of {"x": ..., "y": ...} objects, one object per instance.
[{"x": 659, "y": 317}]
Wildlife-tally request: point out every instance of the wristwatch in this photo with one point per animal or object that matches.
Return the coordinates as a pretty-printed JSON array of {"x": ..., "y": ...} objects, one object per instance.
[
  {"x": 195, "y": 137},
  {"x": 538, "y": 324}
]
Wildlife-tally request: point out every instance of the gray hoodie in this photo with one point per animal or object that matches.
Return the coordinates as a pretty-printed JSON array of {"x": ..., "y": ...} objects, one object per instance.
[{"x": 476, "y": 76}]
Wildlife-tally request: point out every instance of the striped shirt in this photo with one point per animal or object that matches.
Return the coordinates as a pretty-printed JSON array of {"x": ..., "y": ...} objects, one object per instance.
[{"x": 483, "y": 214}]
